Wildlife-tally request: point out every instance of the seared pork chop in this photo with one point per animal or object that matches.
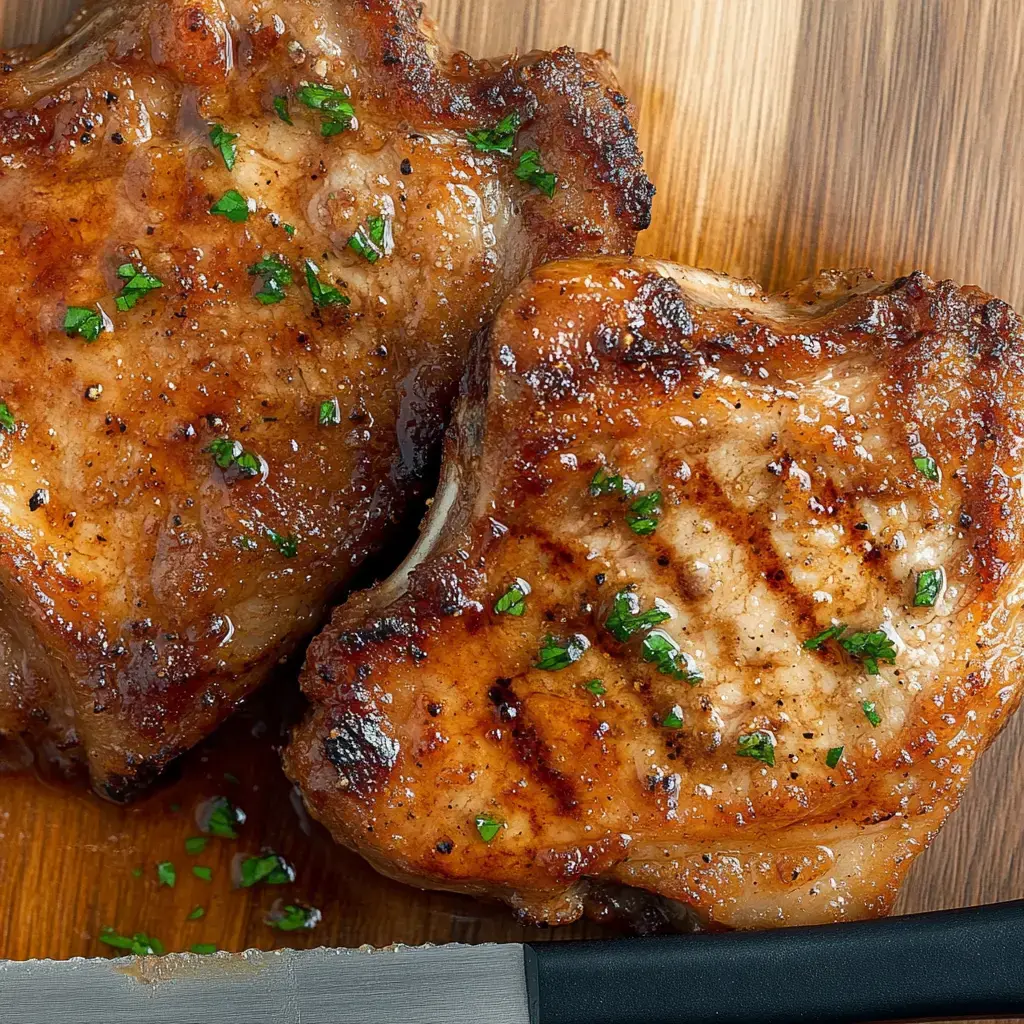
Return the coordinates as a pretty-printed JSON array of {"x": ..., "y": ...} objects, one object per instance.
[
  {"x": 719, "y": 599},
  {"x": 245, "y": 245}
]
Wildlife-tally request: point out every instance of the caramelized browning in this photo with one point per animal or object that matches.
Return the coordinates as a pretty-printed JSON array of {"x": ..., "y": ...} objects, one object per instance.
[{"x": 768, "y": 468}]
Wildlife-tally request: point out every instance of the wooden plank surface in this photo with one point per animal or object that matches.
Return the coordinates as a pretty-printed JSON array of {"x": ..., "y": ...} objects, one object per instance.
[{"x": 784, "y": 136}]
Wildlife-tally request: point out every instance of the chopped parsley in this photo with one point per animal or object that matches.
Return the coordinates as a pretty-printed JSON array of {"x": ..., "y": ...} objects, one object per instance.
[
  {"x": 288, "y": 546},
  {"x": 369, "y": 241},
  {"x": 276, "y": 275},
  {"x": 195, "y": 845},
  {"x": 927, "y": 467},
  {"x": 759, "y": 745},
  {"x": 227, "y": 454},
  {"x": 660, "y": 650},
  {"x": 232, "y": 205},
  {"x": 196, "y": 913},
  {"x": 531, "y": 171},
  {"x": 7, "y": 422},
  {"x": 819, "y": 641},
  {"x": 606, "y": 482},
  {"x": 323, "y": 294},
  {"x": 499, "y": 139},
  {"x": 488, "y": 826},
  {"x": 871, "y": 648},
  {"x": 269, "y": 868},
  {"x": 86, "y": 323},
  {"x": 281, "y": 106},
  {"x": 165, "y": 874},
  {"x": 673, "y": 718},
  {"x": 929, "y": 586},
  {"x": 138, "y": 283},
  {"x": 626, "y": 619},
  {"x": 222, "y": 818},
  {"x": 834, "y": 756},
  {"x": 871, "y": 714},
  {"x": 596, "y": 687},
  {"x": 203, "y": 948},
  {"x": 644, "y": 514},
  {"x": 138, "y": 944},
  {"x": 330, "y": 413},
  {"x": 337, "y": 113},
  {"x": 205, "y": 874},
  {"x": 556, "y": 654},
  {"x": 289, "y": 230},
  {"x": 223, "y": 140},
  {"x": 293, "y": 918},
  {"x": 513, "y": 601}
]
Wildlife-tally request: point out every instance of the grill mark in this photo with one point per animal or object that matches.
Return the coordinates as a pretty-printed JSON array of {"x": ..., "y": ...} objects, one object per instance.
[{"x": 530, "y": 750}]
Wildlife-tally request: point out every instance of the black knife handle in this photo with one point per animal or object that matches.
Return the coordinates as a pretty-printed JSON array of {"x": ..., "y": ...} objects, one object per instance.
[{"x": 958, "y": 963}]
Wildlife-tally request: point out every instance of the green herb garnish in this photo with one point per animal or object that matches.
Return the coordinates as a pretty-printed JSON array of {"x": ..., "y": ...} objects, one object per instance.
[
  {"x": 606, "y": 482},
  {"x": 195, "y": 845},
  {"x": 288, "y": 546},
  {"x": 488, "y": 826},
  {"x": 531, "y": 171},
  {"x": 644, "y": 514},
  {"x": 758, "y": 745},
  {"x": 819, "y": 641},
  {"x": 596, "y": 687},
  {"x": 834, "y": 756},
  {"x": 929, "y": 585},
  {"x": 293, "y": 918},
  {"x": 626, "y": 619},
  {"x": 330, "y": 413},
  {"x": 871, "y": 648},
  {"x": 138, "y": 283},
  {"x": 222, "y": 818},
  {"x": 660, "y": 650},
  {"x": 232, "y": 205},
  {"x": 281, "y": 106},
  {"x": 871, "y": 714},
  {"x": 337, "y": 113},
  {"x": 196, "y": 913},
  {"x": 269, "y": 868},
  {"x": 499, "y": 139},
  {"x": 556, "y": 654},
  {"x": 673, "y": 718},
  {"x": 369, "y": 239},
  {"x": 276, "y": 274},
  {"x": 7, "y": 422},
  {"x": 289, "y": 230},
  {"x": 165, "y": 874},
  {"x": 323, "y": 294},
  {"x": 513, "y": 601},
  {"x": 203, "y": 948},
  {"x": 138, "y": 944},
  {"x": 206, "y": 874},
  {"x": 86, "y": 323},
  {"x": 927, "y": 467},
  {"x": 223, "y": 140},
  {"x": 227, "y": 454}
]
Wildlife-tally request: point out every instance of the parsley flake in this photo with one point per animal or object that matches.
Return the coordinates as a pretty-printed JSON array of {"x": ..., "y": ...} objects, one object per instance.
[
  {"x": 370, "y": 239},
  {"x": 195, "y": 845},
  {"x": 7, "y": 422},
  {"x": 673, "y": 718},
  {"x": 330, "y": 413},
  {"x": 281, "y": 107},
  {"x": 834, "y": 756},
  {"x": 644, "y": 514},
  {"x": 927, "y": 467},
  {"x": 232, "y": 205},
  {"x": 227, "y": 454},
  {"x": 556, "y": 654},
  {"x": 270, "y": 868},
  {"x": 223, "y": 140},
  {"x": 929, "y": 586},
  {"x": 203, "y": 948},
  {"x": 288, "y": 546},
  {"x": 660, "y": 650},
  {"x": 220, "y": 817},
  {"x": 759, "y": 745},
  {"x": 165, "y": 874},
  {"x": 337, "y": 113},
  {"x": 606, "y": 482},
  {"x": 289, "y": 230},
  {"x": 323, "y": 294},
  {"x": 871, "y": 714},
  {"x": 138, "y": 283},
  {"x": 499, "y": 139},
  {"x": 819, "y": 641},
  {"x": 625, "y": 618},
  {"x": 196, "y": 913},
  {"x": 205, "y": 874},
  {"x": 488, "y": 827},
  {"x": 293, "y": 918},
  {"x": 276, "y": 274},
  {"x": 513, "y": 601},
  {"x": 596, "y": 687},
  {"x": 86, "y": 323},
  {"x": 531, "y": 171},
  {"x": 871, "y": 648},
  {"x": 138, "y": 944}
]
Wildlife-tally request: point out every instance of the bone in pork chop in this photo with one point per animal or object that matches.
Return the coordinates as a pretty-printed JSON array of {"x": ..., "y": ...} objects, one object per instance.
[
  {"x": 719, "y": 599},
  {"x": 245, "y": 246}
]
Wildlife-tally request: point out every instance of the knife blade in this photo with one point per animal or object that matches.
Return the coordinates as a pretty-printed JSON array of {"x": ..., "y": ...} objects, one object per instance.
[{"x": 953, "y": 964}]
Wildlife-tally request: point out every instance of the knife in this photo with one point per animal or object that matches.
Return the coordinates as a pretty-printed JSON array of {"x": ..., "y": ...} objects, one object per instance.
[{"x": 962, "y": 963}]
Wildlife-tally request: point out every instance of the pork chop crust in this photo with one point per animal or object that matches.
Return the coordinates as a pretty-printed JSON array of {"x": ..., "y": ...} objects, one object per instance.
[
  {"x": 719, "y": 599},
  {"x": 246, "y": 244}
]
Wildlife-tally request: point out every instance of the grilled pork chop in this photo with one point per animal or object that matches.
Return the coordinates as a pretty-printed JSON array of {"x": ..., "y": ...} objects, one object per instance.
[
  {"x": 245, "y": 246},
  {"x": 719, "y": 599}
]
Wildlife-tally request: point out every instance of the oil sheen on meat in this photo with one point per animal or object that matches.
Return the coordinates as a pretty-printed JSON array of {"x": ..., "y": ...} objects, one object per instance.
[
  {"x": 216, "y": 405},
  {"x": 719, "y": 600}
]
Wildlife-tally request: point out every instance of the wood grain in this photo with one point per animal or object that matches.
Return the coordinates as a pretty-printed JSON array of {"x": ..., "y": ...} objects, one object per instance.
[{"x": 784, "y": 136}]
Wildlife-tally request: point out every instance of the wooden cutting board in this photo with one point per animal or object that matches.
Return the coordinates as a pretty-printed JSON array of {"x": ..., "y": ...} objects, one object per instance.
[{"x": 784, "y": 136}]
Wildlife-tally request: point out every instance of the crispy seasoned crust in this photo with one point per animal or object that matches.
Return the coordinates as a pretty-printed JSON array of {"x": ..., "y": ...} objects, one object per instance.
[
  {"x": 821, "y": 458},
  {"x": 146, "y": 588}
]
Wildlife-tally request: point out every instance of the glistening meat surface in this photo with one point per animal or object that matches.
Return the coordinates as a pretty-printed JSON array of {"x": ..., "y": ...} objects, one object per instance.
[
  {"x": 245, "y": 247},
  {"x": 719, "y": 599}
]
